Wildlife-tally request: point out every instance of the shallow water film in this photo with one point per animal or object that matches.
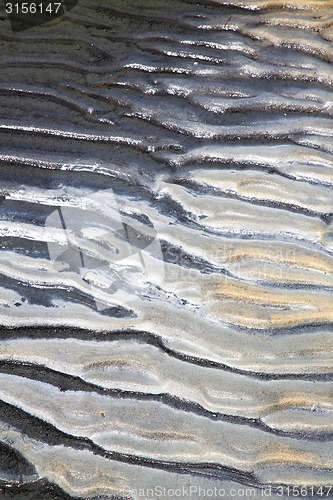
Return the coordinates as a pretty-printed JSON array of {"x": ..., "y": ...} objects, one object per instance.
[{"x": 166, "y": 251}]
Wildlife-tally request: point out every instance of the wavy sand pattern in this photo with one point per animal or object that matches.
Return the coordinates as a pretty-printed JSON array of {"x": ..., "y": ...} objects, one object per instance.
[{"x": 202, "y": 355}]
